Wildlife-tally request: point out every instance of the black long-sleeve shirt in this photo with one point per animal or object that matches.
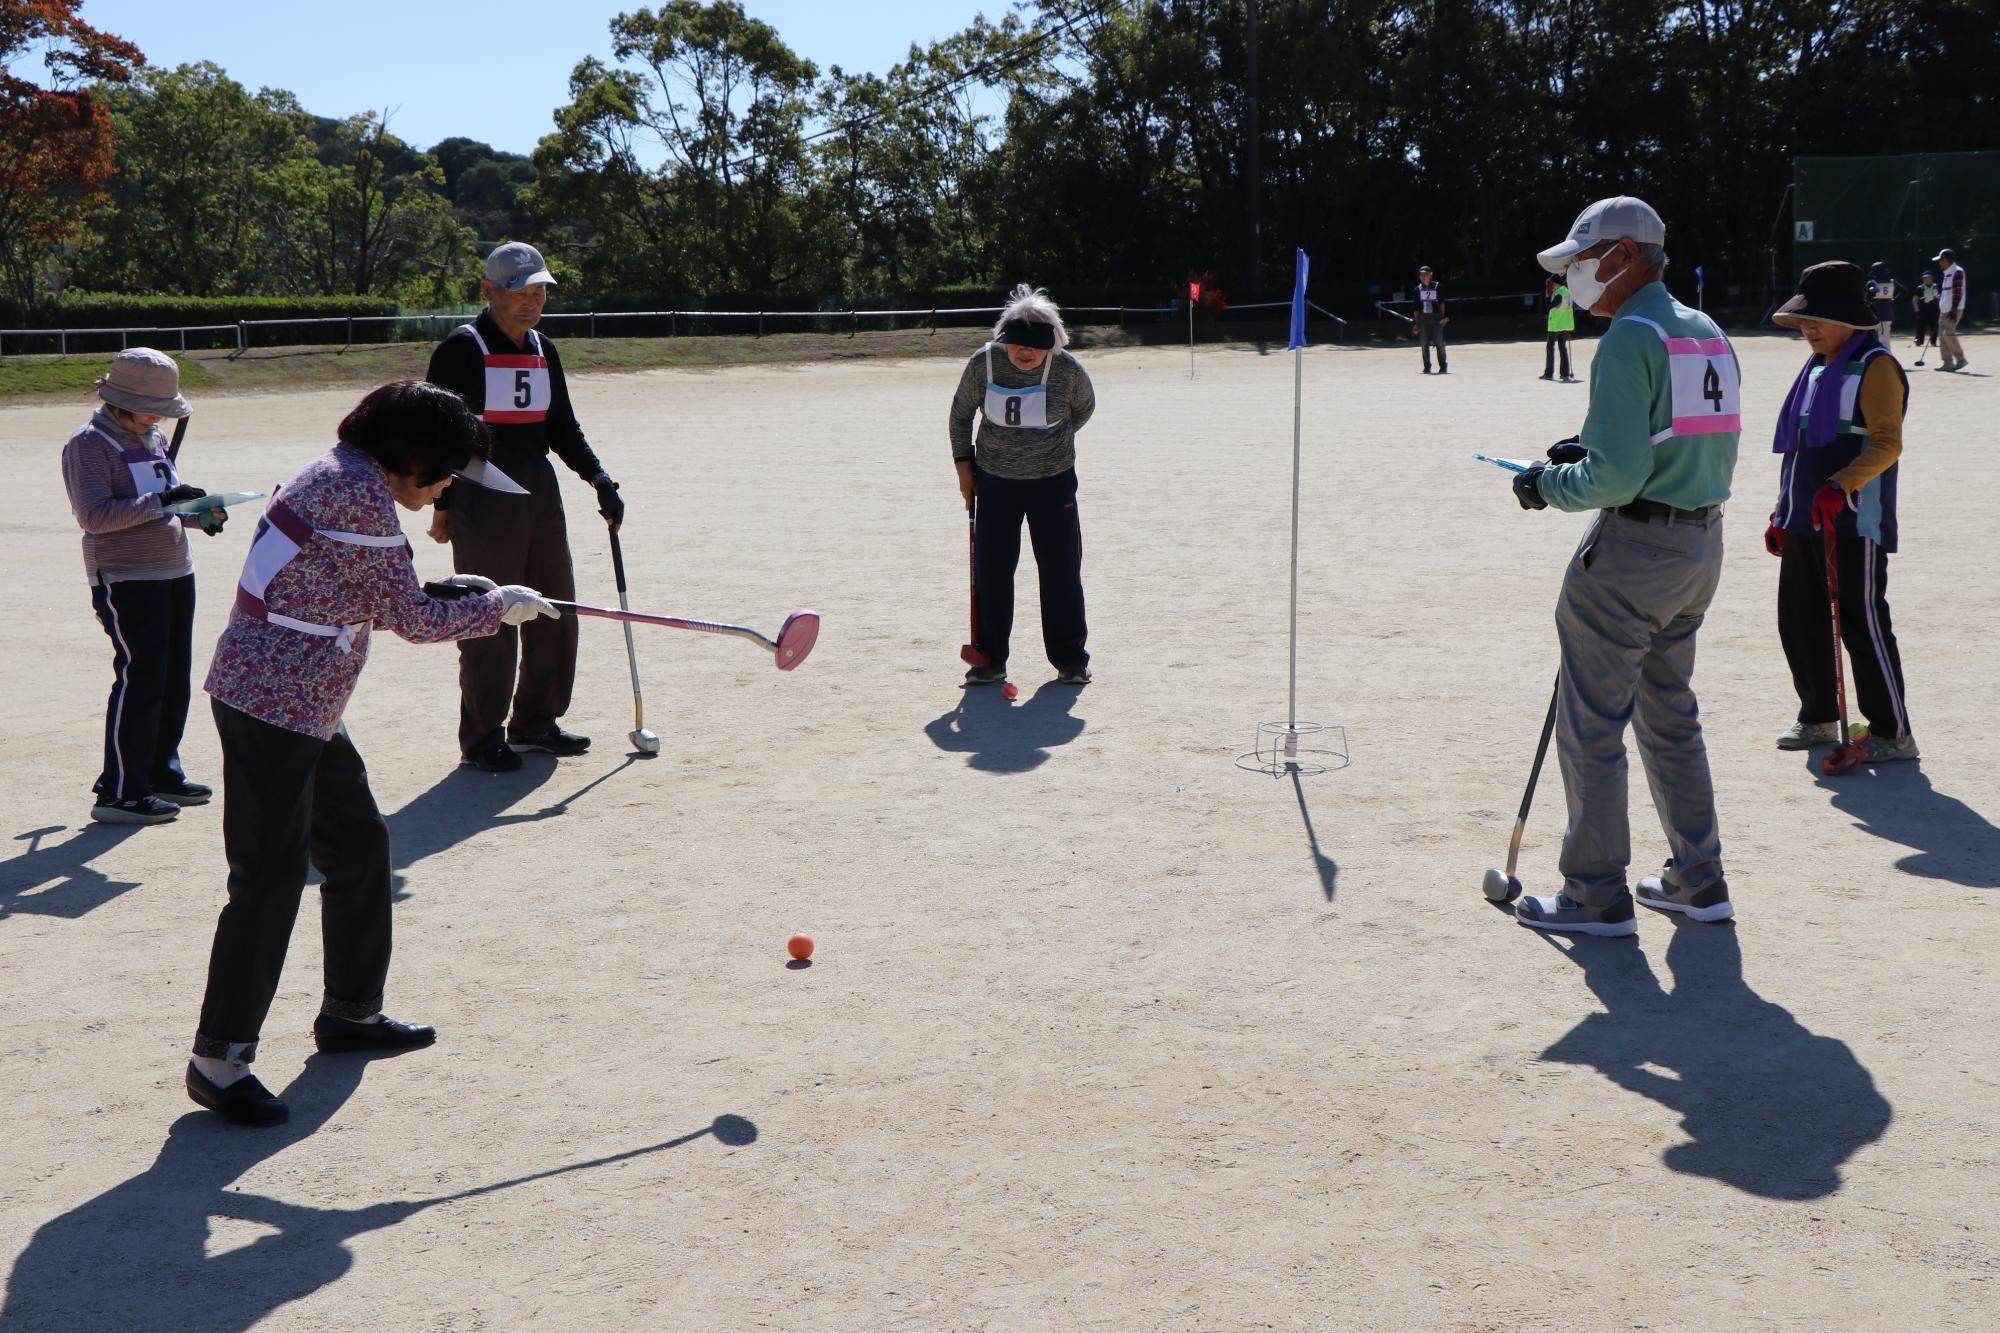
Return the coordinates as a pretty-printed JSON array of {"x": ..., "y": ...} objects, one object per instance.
[{"x": 456, "y": 364}]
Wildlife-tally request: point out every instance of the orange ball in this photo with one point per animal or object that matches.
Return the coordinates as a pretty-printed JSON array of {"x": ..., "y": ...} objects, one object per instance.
[{"x": 800, "y": 946}]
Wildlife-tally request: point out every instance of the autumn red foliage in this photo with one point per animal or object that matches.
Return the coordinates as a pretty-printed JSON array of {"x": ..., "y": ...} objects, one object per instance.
[{"x": 56, "y": 139}]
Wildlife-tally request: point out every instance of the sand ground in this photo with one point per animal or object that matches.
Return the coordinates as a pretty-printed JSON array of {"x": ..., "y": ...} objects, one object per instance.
[{"x": 1102, "y": 1032}]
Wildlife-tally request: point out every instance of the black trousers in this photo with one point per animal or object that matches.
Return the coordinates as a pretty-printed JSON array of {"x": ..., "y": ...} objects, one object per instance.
[
  {"x": 1430, "y": 330},
  {"x": 1805, "y": 628},
  {"x": 1927, "y": 325},
  {"x": 151, "y": 624},
  {"x": 520, "y": 539},
  {"x": 1049, "y": 506},
  {"x": 289, "y": 798},
  {"x": 1556, "y": 340}
]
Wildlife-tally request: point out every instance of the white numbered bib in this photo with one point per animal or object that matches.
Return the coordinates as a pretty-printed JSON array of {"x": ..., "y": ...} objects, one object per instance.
[
  {"x": 1023, "y": 409},
  {"x": 151, "y": 473},
  {"x": 1707, "y": 393},
  {"x": 517, "y": 386}
]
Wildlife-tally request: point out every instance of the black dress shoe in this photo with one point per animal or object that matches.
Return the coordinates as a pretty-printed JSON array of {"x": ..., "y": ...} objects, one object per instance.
[
  {"x": 553, "y": 741},
  {"x": 344, "y": 1034},
  {"x": 246, "y": 1101},
  {"x": 495, "y": 758}
]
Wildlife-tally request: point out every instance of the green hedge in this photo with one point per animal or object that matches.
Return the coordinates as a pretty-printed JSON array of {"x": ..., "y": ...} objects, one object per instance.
[{"x": 98, "y": 310}]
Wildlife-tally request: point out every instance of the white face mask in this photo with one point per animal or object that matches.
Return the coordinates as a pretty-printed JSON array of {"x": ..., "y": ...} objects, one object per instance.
[{"x": 1584, "y": 288}]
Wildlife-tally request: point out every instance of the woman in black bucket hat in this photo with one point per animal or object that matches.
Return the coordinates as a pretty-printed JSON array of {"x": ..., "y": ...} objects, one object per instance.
[{"x": 1840, "y": 434}]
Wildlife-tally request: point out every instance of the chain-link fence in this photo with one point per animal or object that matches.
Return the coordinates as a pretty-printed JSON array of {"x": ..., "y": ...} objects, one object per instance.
[{"x": 1901, "y": 210}]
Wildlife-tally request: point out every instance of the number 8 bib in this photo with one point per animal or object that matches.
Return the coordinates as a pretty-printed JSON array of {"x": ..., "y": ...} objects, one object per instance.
[
  {"x": 517, "y": 386},
  {"x": 1707, "y": 391},
  {"x": 1024, "y": 409}
]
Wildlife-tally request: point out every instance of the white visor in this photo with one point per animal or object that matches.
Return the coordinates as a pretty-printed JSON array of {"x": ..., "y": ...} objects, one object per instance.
[{"x": 482, "y": 473}]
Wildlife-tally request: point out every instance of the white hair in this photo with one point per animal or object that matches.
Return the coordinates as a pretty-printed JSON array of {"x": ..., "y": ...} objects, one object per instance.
[{"x": 1033, "y": 305}]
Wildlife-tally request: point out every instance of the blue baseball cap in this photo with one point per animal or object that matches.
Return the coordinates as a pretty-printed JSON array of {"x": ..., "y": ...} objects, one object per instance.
[{"x": 516, "y": 265}]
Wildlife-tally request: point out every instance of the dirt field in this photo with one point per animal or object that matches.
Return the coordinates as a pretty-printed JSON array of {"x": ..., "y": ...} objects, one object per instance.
[{"x": 1102, "y": 1032}]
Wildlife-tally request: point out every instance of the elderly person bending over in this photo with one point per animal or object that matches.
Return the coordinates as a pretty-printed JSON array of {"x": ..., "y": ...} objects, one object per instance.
[
  {"x": 328, "y": 563},
  {"x": 1032, "y": 398}
]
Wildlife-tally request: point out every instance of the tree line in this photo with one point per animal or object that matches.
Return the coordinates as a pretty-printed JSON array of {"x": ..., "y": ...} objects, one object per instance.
[{"x": 1098, "y": 147}]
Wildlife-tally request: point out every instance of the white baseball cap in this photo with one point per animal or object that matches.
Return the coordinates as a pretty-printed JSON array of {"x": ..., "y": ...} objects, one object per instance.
[
  {"x": 516, "y": 265},
  {"x": 1613, "y": 219}
]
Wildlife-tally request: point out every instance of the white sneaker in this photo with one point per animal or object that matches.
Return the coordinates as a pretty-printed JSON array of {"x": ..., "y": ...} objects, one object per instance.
[
  {"x": 1887, "y": 749},
  {"x": 1805, "y": 735}
]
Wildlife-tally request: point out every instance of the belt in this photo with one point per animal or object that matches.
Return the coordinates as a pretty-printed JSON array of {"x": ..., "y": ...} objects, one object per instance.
[{"x": 1644, "y": 509}]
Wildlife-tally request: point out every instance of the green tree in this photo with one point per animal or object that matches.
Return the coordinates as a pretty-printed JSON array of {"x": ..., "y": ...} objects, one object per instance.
[
  {"x": 353, "y": 227},
  {"x": 198, "y": 158}
]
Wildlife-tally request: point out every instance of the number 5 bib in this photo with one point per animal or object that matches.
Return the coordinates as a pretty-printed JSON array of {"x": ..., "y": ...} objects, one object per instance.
[
  {"x": 517, "y": 386},
  {"x": 1027, "y": 409},
  {"x": 1707, "y": 393}
]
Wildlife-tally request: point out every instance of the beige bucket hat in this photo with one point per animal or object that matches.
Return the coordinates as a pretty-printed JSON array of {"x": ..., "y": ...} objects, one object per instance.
[{"x": 144, "y": 381}]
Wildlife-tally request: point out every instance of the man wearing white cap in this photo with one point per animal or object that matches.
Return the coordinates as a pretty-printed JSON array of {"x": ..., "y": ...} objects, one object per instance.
[
  {"x": 1951, "y": 309},
  {"x": 511, "y": 375},
  {"x": 1654, "y": 458}
]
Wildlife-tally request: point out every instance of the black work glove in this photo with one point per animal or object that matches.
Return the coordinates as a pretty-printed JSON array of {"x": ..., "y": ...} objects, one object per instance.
[
  {"x": 1528, "y": 488},
  {"x": 1568, "y": 451},
  {"x": 608, "y": 503},
  {"x": 210, "y": 521},
  {"x": 173, "y": 495}
]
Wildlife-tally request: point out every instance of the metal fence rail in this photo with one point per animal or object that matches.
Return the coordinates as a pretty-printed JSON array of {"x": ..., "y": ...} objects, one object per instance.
[{"x": 243, "y": 335}]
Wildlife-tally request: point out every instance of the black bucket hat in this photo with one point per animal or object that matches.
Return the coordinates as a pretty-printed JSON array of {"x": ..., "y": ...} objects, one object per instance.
[{"x": 1834, "y": 293}]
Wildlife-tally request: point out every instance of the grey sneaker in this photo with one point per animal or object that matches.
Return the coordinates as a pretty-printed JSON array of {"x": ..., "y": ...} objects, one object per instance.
[
  {"x": 986, "y": 675},
  {"x": 1563, "y": 913},
  {"x": 1805, "y": 735},
  {"x": 1888, "y": 749},
  {"x": 1073, "y": 675},
  {"x": 1709, "y": 903}
]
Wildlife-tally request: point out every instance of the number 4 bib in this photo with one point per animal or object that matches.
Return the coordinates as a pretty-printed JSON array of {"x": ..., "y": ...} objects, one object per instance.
[
  {"x": 1707, "y": 393},
  {"x": 517, "y": 386},
  {"x": 1027, "y": 409}
]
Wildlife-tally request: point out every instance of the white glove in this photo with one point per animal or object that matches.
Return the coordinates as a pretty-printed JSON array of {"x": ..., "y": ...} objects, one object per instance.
[
  {"x": 476, "y": 582},
  {"x": 518, "y": 604}
]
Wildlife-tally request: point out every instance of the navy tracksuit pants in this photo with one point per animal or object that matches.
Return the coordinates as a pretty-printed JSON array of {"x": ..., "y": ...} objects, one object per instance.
[
  {"x": 1805, "y": 628},
  {"x": 151, "y": 625},
  {"x": 1049, "y": 506}
]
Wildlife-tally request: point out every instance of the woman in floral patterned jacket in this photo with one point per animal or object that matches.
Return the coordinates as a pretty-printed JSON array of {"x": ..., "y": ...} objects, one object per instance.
[{"x": 329, "y": 562}]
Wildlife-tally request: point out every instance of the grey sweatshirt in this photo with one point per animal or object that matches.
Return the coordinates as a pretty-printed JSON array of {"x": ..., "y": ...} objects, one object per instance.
[
  {"x": 125, "y": 536},
  {"x": 1015, "y": 451}
]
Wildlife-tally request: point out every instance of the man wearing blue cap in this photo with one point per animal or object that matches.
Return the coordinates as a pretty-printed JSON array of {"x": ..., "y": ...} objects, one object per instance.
[
  {"x": 511, "y": 375},
  {"x": 1654, "y": 459}
]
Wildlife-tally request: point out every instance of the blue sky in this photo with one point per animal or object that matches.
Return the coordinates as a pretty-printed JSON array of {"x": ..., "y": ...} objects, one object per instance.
[{"x": 493, "y": 70}]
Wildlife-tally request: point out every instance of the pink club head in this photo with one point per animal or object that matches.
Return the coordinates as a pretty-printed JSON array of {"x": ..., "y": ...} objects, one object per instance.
[{"x": 796, "y": 639}]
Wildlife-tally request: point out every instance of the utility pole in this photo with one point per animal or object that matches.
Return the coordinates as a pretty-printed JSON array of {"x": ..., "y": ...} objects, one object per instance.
[{"x": 1254, "y": 168}]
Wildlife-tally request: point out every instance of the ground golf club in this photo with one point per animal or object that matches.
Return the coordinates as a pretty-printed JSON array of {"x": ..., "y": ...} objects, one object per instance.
[
  {"x": 644, "y": 741},
  {"x": 1502, "y": 886}
]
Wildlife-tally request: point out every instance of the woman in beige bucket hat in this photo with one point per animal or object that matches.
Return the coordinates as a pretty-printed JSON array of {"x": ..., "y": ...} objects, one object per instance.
[{"x": 119, "y": 473}]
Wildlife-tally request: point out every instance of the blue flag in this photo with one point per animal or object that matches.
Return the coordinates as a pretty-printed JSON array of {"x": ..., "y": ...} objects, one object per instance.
[
  {"x": 1697, "y": 275},
  {"x": 1298, "y": 337}
]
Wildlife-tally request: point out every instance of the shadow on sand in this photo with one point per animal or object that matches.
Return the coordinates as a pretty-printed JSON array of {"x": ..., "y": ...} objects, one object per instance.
[
  {"x": 466, "y": 802},
  {"x": 1950, "y": 840},
  {"x": 1329, "y": 871},
  {"x": 136, "y": 1256},
  {"x": 998, "y": 737},
  {"x": 1769, "y": 1107},
  {"x": 57, "y": 879}
]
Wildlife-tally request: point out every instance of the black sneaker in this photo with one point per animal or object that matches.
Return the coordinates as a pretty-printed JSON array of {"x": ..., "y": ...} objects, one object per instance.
[
  {"x": 1561, "y": 912},
  {"x": 182, "y": 792},
  {"x": 142, "y": 810},
  {"x": 986, "y": 675},
  {"x": 553, "y": 741},
  {"x": 495, "y": 758},
  {"x": 1073, "y": 675},
  {"x": 1710, "y": 903}
]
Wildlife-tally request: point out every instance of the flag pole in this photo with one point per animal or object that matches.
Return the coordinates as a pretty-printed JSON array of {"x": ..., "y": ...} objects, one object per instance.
[{"x": 1298, "y": 400}]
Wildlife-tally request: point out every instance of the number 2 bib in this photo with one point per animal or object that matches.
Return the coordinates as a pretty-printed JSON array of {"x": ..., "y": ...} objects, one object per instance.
[
  {"x": 151, "y": 473},
  {"x": 517, "y": 385},
  {"x": 1025, "y": 409},
  {"x": 1707, "y": 393}
]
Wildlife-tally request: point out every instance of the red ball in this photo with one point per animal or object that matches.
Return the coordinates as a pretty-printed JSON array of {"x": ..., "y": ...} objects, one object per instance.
[
  {"x": 800, "y": 946},
  {"x": 1010, "y": 691}
]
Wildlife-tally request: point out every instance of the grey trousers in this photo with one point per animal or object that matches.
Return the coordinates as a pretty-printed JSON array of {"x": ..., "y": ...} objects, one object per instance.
[{"x": 1631, "y": 603}]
